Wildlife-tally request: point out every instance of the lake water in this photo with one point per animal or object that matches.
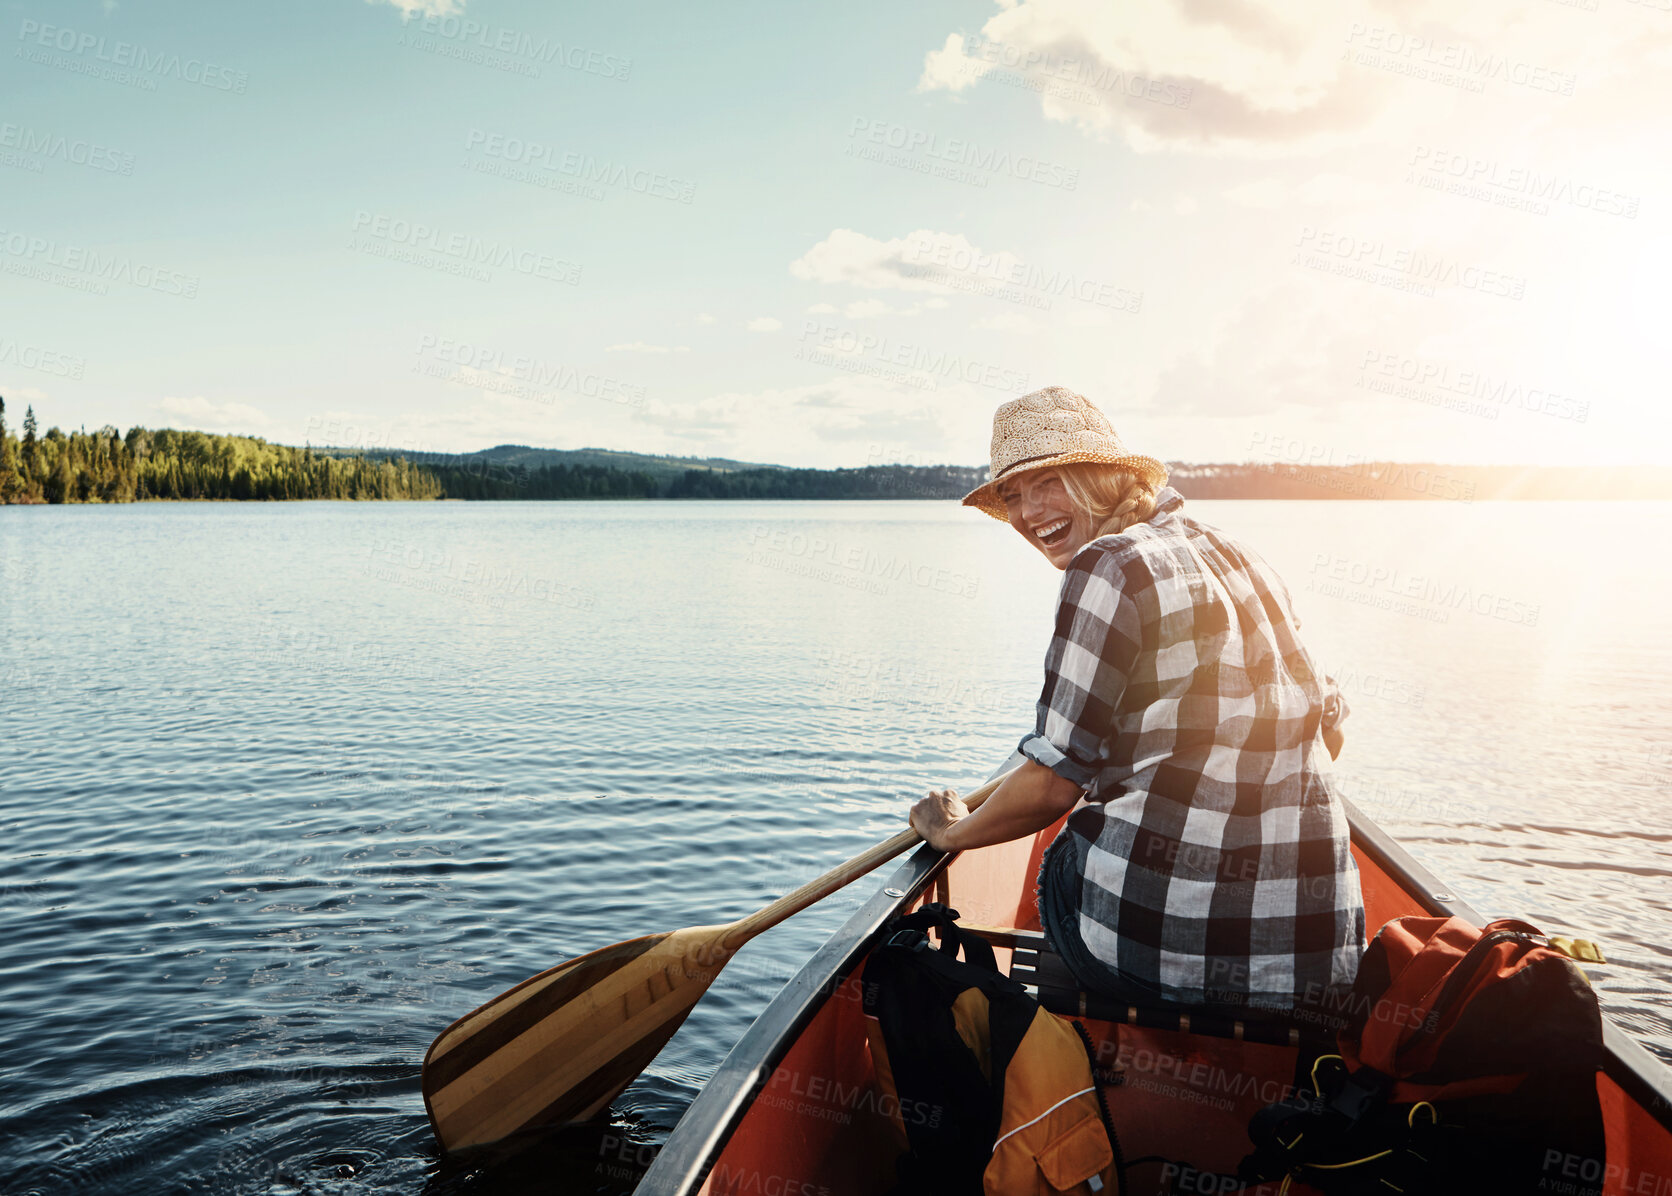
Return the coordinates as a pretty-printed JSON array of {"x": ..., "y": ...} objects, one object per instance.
[{"x": 286, "y": 788}]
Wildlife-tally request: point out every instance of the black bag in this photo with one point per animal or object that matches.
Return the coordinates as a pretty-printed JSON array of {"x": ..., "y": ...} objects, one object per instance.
[
  {"x": 1468, "y": 1061},
  {"x": 949, "y": 1087}
]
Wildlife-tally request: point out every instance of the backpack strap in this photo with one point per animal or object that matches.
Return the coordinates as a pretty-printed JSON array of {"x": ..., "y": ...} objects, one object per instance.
[
  {"x": 908, "y": 930},
  {"x": 948, "y": 1029}
]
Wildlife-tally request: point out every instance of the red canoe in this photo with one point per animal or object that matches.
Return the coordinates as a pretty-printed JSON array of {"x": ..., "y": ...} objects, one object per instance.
[{"x": 794, "y": 1110}]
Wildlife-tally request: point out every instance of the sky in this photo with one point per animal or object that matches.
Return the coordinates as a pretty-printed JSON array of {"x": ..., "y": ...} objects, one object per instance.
[{"x": 842, "y": 234}]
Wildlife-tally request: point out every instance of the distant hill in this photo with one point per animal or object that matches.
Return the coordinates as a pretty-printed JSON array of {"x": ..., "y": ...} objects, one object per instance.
[
  {"x": 662, "y": 468},
  {"x": 656, "y": 466}
]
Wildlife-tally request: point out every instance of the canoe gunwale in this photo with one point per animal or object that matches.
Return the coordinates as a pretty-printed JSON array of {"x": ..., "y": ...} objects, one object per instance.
[{"x": 695, "y": 1144}]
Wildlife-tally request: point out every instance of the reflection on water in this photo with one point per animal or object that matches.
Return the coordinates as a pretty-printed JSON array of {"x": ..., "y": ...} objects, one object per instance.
[{"x": 285, "y": 789}]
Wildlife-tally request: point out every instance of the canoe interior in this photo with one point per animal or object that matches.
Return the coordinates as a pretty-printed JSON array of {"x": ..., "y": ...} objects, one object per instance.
[{"x": 819, "y": 1125}]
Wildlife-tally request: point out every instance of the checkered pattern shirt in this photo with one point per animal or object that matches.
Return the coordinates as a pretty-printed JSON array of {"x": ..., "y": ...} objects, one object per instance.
[{"x": 1215, "y": 863}]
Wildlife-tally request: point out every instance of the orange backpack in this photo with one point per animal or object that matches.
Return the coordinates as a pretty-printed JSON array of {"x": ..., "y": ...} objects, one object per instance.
[{"x": 1467, "y": 1062}]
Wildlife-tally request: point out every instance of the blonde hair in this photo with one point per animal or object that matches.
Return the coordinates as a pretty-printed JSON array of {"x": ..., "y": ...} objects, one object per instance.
[{"x": 1114, "y": 498}]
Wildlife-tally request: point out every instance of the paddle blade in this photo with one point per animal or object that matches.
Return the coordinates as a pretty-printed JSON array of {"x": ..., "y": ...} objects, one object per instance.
[{"x": 561, "y": 1045}]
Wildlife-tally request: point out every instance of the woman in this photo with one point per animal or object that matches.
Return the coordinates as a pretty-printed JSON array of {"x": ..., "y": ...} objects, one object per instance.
[{"x": 1210, "y": 866}]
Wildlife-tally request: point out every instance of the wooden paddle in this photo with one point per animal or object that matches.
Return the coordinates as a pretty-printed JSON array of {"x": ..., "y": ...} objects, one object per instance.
[{"x": 560, "y": 1046}]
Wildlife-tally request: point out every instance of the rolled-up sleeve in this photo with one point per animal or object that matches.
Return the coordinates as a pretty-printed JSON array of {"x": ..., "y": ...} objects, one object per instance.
[
  {"x": 1335, "y": 704},
  {"x": 1093, "y": 648}
]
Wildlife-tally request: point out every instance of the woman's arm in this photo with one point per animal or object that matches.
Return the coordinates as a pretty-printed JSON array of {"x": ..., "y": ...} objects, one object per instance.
[{"x": 1031, "y": 798}]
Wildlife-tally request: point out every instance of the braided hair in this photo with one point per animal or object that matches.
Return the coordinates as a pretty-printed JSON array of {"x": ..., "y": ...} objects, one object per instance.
[{"x": 1114, "y": 498}]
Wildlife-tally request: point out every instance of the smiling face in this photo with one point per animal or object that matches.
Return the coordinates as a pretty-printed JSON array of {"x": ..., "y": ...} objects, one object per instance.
[{"x": 1043, "y": 514}]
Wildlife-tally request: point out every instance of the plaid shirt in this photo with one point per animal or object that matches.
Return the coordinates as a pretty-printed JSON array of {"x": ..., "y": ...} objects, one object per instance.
[{"x": 1215, "y": 864}]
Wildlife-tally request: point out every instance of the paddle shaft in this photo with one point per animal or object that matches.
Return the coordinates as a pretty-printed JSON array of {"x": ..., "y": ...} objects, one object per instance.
[{"x": 817, "y": 889}]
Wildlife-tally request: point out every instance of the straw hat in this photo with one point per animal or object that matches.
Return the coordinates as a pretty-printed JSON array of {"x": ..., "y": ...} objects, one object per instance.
[{"x": 1050, "y": 427}]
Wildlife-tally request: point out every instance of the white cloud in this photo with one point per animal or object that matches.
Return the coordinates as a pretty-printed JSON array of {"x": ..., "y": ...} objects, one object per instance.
[
  {"x": 1283, "y": 76},
  {"x": 1175, "y": 73},
  {"x": 206, "y": 415},
  {"x": 642, "y": 347},
  {"x": 920, "y": 261},
  {"x": 823, "y": 309},
  {"x": 704, "y": 318},
  {"x": 424, "y": 8},
  {"x": 764, "y": 324}
]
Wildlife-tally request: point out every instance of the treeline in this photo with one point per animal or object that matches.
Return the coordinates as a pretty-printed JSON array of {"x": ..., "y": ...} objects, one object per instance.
[
  {"x": 108, "y": 466},
  {"x": 872, "y": 481},
  {"x": 482, "y": 480}
]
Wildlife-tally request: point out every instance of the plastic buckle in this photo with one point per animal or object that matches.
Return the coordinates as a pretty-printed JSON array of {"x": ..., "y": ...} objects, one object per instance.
[
  {"x": 1363, "y": 1091},
  {"x": 913, "y": 940}
]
